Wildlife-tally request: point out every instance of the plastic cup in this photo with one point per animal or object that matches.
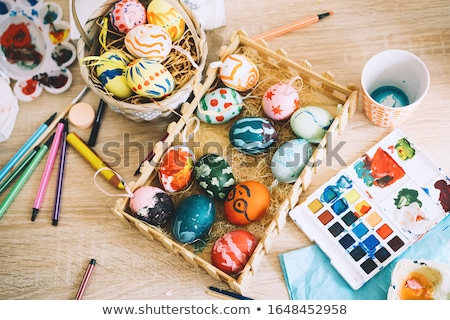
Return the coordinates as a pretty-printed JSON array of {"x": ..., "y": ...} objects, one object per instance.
[{"x": 403, "y": 80}]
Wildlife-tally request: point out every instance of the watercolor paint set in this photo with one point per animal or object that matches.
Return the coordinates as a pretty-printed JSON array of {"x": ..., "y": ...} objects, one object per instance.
[{"x": 374, "y": 209}]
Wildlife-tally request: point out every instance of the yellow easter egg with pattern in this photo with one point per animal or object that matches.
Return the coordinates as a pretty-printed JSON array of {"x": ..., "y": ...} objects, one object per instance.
[
  {"x": 110, "y": 70},
  {"x": 162, "y": 13},
  {"x": 149, "y": 78}
]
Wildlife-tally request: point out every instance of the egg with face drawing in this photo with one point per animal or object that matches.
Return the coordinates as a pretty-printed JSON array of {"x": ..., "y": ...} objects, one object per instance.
[{"x": 247, "y": 202}]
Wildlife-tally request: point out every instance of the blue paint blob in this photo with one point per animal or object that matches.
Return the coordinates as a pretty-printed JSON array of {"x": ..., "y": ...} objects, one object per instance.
[
  {"x": 3, "y": 8},
  {"x": 328, "y": 194},
  {"x": 340, "y": 206},
  {"x": 390, "y": 96}
]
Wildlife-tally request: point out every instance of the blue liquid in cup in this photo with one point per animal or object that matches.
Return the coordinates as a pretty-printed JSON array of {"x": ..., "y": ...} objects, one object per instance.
[{"x": 390, "y": 96}]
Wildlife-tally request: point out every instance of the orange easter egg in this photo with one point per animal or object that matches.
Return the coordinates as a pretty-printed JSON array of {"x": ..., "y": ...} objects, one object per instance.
[
  {"x": 238, "y": 72},
  {"x": 247, "y": 202}
]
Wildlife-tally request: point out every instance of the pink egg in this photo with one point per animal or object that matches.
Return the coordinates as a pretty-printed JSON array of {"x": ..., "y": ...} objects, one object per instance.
[
  {"x": 152, "y": 205},
  {"x": 232, "y": 251},
  {"x": 126, "y": 14},
  {"x": 280, "y": 101}
]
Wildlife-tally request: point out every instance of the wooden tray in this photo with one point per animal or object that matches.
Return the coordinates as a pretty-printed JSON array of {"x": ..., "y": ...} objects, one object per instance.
[{"x": 317, "y": 89}]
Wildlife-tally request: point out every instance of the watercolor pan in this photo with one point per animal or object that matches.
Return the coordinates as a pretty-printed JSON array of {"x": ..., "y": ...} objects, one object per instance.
[{"x": 374, "y": 209}]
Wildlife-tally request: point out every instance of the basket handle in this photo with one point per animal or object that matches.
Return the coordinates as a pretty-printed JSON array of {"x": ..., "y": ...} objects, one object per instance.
[{"x": 79, "y": 27}]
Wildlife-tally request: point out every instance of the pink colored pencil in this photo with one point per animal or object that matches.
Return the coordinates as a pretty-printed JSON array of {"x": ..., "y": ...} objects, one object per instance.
[
  {"x": 86, "y": 279},
  {"x": 47, "y": 170},
  {"x": 292, "y": 26}
]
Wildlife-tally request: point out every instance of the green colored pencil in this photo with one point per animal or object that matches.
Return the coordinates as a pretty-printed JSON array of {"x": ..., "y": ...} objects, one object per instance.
[
  {"x": 24, "y": 177},
  {"x": 18, "y": 170}
]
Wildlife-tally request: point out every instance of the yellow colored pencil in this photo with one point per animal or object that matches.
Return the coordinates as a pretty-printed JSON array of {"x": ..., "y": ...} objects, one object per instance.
[{"x": 96, "y": 162}]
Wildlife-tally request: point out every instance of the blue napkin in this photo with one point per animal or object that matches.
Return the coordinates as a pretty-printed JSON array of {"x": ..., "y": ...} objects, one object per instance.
[{"x": 310, "y": 276}]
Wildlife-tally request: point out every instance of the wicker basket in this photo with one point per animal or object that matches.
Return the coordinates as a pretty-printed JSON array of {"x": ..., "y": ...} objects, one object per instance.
[
  {"x": 136, "y": 107},
  {"x": 341, "y": 101}
]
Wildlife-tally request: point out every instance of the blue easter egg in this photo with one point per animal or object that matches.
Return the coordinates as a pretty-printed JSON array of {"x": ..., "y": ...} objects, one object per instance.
[
  {"x": 193, "y": 218},
  {"x": 290, "y": 159},
  {"x": 252, "y": 135}
]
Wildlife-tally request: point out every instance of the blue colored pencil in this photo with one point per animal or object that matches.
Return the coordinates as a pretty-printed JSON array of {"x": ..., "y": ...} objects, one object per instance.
[{"x": 27, "y": 145}]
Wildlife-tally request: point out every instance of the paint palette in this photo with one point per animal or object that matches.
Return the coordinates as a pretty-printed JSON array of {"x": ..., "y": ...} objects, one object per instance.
[
  {"x": 35, "y": 47},
  {"x": 373, "y": 210}
]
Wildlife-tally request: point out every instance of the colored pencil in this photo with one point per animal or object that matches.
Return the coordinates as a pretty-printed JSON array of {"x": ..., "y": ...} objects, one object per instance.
[
  {"x": 96, "y": 162},
  {"x": 47, "y": 170},
  {"x": 24, "y": 177},
  {"x": 96, "y": 126},
  {"x": 18, "y": 170},
  {"x": 230, "y": 294},
  {"x": 25, "y": 147},
  {"x": 292, "y": 26},
  {"x": 86, "y": 279},
  {"x": 62, "y": 163}
]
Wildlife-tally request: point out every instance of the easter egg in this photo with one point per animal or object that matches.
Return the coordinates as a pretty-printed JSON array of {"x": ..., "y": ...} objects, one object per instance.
[
  {"x": 148, "y": 41},
  {"x": 232, "y": 251},
  {"x": 247, "y": 202},
  {"x": 163, "y": 14},
  {"x": 238, "y": 72},
  {"x": 193, "y": 218},
  {"x": 214, "y": 176},
  {"x": 290, "y": 159},
  {"x": 219, "y": 106},
  {"x": 126, "y": 14},
  {"x": 311, "y": 123},
  {"x": 149, "y": 78},
  {"x": 175, "y": 170},
  {"x": 280, "y": 101},
  {"x": 152, "y": 205},
  {"x": 252, "y": 135},
  {"x": 110, "y": 70}
]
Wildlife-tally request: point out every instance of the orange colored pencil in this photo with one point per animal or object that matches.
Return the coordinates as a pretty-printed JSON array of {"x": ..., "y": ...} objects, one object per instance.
[{"x": 292, "y": 26}]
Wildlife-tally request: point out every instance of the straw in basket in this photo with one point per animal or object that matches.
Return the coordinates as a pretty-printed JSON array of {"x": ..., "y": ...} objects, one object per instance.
[{"x": 186, "y": 75}]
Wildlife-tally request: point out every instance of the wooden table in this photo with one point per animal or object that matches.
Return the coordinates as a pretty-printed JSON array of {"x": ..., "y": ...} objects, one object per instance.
[{"x": 40, "y": 261}]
